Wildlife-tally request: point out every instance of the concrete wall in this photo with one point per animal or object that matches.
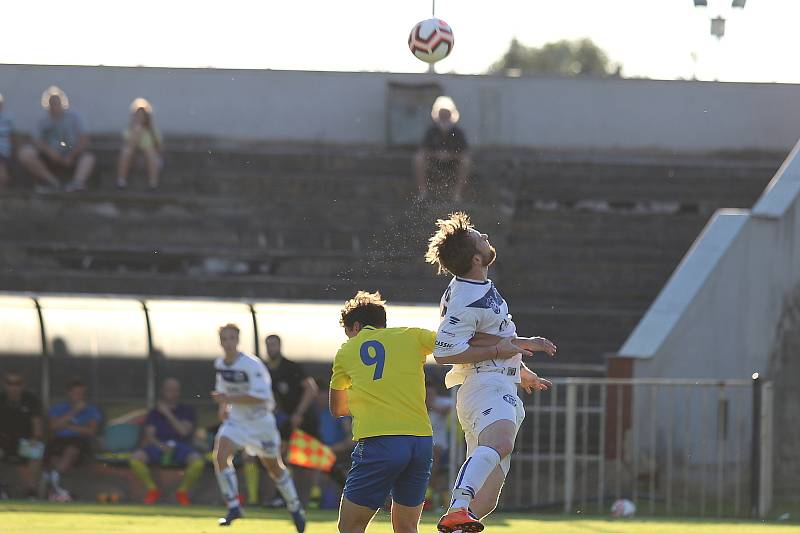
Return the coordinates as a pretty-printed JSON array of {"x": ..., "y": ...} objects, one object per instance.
[
  {"x": 718, "y": 315},
  {"x": 577, "y": 113}
]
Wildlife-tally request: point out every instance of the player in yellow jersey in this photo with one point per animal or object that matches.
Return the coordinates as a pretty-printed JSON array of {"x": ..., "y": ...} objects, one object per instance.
[{"x": 378, "y": 379}]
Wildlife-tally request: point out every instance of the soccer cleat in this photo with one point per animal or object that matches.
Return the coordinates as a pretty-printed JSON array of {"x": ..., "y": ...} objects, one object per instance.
[
  {"x": 299, "y": 519},
  {"x": 459, "y": 520},
  {"x": 234, "y": 513},
  {"x": 182, "y": 497},
  {"x": 152, "y": 496}
]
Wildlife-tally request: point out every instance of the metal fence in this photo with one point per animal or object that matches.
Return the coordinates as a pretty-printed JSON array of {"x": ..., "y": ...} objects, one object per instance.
[{"x": 689, "y": 447}]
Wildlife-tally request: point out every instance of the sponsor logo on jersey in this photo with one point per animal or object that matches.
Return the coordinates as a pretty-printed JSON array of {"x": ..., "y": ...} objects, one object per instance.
[
  {"x": 491, "y": 300},
  {"x": 441, "y": 344},
  {"x": 454, "y": 320},
  {"x": 234, "y": 376},
  {"x": 510, "y": 399},
  {"x": 487, "y": 411},
  {"x": 448, "y": 333}
]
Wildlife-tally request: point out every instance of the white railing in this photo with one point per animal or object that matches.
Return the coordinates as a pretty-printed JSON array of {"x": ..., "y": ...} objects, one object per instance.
[{"x": 585, "y": 444}]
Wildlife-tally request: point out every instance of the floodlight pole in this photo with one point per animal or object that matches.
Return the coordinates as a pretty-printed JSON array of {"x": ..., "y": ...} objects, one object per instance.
[{"x": 431, "y": 68}]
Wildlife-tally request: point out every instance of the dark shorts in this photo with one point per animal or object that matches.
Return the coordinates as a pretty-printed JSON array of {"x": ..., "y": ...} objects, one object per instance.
[
  {"x": 180, "y": 454},
  {"x": 394, "y": 465},
  {"x": 9, "y": 445},
  {"x": 57, "y": 445}
]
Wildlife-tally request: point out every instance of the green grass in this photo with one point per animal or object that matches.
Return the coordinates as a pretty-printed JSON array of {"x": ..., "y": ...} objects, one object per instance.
[{"x": 26, "y": 517}]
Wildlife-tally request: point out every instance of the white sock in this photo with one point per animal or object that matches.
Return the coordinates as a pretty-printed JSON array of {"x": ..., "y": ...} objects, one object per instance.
[
  {"x": 55, "y": 479},
  {"x": 286, "y": 487},
  {"x": 229, "y": 486},
  {"x": 473, "y": 475}
]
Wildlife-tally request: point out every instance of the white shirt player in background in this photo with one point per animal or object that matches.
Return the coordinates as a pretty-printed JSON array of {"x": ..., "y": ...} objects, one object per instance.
[
  {"x": 244, "y": 393},
  {"x": 479, "y": 339}
]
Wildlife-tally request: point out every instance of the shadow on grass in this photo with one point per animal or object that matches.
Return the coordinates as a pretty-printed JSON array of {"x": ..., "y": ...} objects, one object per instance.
[{"x": 497, "y": 519}]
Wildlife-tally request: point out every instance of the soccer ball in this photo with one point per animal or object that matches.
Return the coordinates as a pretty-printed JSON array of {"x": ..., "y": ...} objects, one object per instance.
[
  {"x": 431, "y": 40},
  {"x": 623, "y": 509}
]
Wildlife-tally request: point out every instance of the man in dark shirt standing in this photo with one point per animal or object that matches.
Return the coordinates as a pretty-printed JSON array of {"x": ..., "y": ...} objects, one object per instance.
[
  {"x": 295, "y": 393},
  {"x": 168, "y": 432},
  {"x": 21, "y": 430},
  {"x": 444, "y": 151}
]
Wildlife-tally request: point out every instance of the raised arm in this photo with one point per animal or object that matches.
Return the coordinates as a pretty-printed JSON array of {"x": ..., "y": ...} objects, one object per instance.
[{"x": 502, "y": 349}]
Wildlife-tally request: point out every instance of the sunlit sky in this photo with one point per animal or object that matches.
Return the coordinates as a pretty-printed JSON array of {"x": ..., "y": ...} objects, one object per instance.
[{"x": 650, "y": 38}]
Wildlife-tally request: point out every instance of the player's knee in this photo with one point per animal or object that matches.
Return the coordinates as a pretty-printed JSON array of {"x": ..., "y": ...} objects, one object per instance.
[
  {"x": 27, "y": 153},
  {"x": 220, "y": 458},
  {"x": 139, "y": 455},
  {"x": 504, "y": 447},
  {"x": 347, "y": 526}
]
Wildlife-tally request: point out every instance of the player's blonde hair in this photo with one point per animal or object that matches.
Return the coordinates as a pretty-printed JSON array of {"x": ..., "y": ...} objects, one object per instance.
[
  {"x": 452, "y": 247},
  {"x": 366, "y": 308},
  {"x": 231, "y": 326}
]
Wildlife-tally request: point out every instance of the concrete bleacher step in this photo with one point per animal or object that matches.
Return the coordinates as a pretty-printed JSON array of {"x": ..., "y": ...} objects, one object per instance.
[{"x": 716, "y": 183}]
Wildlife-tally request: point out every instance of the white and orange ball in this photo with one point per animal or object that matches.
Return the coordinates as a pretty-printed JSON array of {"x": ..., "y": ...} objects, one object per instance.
[{"x": 431, "y": 40}]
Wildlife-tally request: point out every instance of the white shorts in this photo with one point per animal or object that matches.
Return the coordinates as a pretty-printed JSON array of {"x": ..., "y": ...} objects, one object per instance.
[
  {"x": 259, "y": 437},
  {"x": 484, "y": 399}
]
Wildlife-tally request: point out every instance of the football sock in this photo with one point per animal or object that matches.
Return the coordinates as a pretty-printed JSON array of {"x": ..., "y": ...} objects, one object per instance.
[
  {"x": 143, "y": 473},
  {"x": 229, "y": 486},
  {"x": 191, "y": 475},
  {"x": 286, "y": 487},
  {"x": 55, "y": 479},
  {"x": 473, "y": 475},
  {"x": 251, "y": 477}
]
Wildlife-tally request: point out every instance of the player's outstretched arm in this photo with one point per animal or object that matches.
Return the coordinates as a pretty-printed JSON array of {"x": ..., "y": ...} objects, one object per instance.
[
  {"x": 503, "y": 349},
  {"x": 536, "y": 344},
  {"x": 531, "y": 382}
]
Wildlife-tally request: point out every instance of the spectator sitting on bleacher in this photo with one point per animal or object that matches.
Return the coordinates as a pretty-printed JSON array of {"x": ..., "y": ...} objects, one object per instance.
[
  {"x": 141, "y": 135},
  {"x": 167, "y": 441},
  {"x": 443, "y": 155},
  {"x": 6, "y": 145},
  {"x": 21, "y": 431},
  {"x": 73, "y": 427},
  {"x": 60, "y": 145}
]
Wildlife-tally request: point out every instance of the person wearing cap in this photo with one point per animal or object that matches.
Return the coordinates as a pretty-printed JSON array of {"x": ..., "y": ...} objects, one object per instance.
[
  {"x": 143, "y": 136},
  {"x": 443, "y": 153},
  {"x": 60, "y": 146},
  {"x": 6, "y": 144}
]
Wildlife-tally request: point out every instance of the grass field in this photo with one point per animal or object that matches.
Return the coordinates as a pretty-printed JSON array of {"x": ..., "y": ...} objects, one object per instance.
[{"x": 25, "y": 517}]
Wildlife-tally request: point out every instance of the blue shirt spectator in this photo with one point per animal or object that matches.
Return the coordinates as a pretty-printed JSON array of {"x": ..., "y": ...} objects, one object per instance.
[
  {"x": 165, "y": 430},
  {"x": 83, "y": 417},
  {"x": 61, "y": 133}
]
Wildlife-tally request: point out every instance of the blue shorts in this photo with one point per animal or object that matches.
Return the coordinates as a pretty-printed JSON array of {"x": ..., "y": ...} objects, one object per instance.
[
  {"x": 180, "y": 453},
  {"x": 396, "y": 465}
]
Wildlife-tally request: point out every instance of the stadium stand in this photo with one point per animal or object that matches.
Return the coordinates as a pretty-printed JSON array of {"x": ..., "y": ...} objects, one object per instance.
[{"x": 594, "y": 236}]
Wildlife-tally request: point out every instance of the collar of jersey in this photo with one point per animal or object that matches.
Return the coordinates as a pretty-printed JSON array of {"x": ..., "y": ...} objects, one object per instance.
[
  {"x": 238, "y": 356},
  {"x": 368, "y": 327},
  {"x": 471, "y": 282}
]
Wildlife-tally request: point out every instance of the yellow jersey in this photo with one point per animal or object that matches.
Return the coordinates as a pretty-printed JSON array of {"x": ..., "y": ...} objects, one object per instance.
[{"x": 382, "y": 371}]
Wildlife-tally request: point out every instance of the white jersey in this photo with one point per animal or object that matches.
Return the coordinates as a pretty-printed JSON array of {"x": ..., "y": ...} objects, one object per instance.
[
  {"x": 469, "y": 307},
  {"x": 246, "y": 375}
]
